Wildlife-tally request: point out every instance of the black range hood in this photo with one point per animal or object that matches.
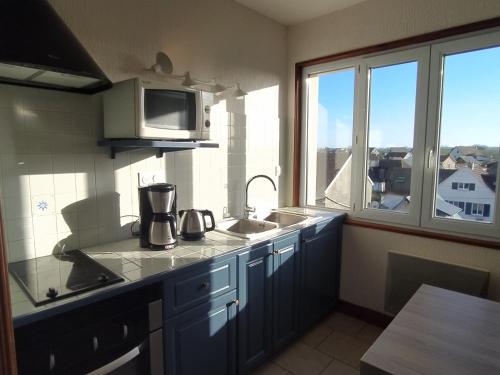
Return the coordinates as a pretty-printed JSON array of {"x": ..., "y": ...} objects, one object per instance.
[{"x": 38, "y": 49}]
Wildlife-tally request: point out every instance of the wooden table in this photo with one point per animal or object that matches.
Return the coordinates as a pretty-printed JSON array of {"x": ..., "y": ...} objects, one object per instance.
[{"x": 439, "y": 332}]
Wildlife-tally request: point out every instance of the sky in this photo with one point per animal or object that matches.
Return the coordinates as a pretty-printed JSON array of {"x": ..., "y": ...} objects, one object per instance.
[{"x": 471, "y": 103}]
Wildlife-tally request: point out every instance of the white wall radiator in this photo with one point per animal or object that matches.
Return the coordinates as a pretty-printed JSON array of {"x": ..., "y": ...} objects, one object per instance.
[{"x": 406, "y": 273}]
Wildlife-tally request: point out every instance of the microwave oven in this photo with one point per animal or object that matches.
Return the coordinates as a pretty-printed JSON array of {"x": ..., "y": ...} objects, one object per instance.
[{"x": 143, "y": 109}]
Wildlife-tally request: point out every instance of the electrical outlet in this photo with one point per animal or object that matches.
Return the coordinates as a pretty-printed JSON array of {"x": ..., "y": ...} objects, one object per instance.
[{"x": 148, "y": 178}]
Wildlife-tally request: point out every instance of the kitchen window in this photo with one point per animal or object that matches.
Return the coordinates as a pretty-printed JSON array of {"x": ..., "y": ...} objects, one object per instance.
[
  {"x": 329, "y": 137},
  {"x": 424, "y": 133}
]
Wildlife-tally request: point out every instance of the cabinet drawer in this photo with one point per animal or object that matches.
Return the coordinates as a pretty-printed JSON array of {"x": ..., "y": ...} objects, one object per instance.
[{"x": 199, "y": 285}]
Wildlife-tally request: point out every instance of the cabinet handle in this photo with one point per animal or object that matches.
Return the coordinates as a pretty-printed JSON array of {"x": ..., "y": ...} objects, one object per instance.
[
  {"x": 95, "y": 343},
  {"x": 205, "y": 285},
  {"x": 125, "y": 331},
  {"x": 52, "y": 361},
  {"x": 276, "y": 252},
  {"x": 236, "y": 302}
]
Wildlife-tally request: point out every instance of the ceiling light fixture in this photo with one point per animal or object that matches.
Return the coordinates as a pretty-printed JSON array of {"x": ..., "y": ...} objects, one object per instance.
[
  {"x": 188, "y": 81},
  {"x": 163, "y": 64},
  {"x": 164, "y": 67}
]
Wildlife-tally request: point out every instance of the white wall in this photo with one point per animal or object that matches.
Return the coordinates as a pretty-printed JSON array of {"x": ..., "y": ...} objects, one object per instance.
[
  {"x": 48, "y": 148},
  {"x": 372, "y": 22},
  {"x": 211, "y": 39}
]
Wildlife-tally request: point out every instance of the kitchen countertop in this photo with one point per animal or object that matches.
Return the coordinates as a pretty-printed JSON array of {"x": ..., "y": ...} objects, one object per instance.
[
  {"x": 138, "y": 265},
  {"x": 439, "y": 332}
]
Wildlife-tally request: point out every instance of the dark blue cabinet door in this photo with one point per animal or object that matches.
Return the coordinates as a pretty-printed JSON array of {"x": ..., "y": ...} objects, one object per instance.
[
  {"x": 285, "y": 290},
  {"x": 320, "y": 260},
  {"x": 203, "y": 340},
  {"x": 255, "y": 268}
]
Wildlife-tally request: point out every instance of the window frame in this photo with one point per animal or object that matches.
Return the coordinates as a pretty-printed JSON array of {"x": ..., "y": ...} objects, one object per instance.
[
  {"x": 421, "y": 56},
  {"x": 429, "y": 221},
  {"x": 307, "y": 73},
  {"x": 422, "y": 218}
]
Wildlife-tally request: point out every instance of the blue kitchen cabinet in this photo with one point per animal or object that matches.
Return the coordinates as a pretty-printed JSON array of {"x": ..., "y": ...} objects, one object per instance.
[
  {"x": 286, "y": 279},
  {"x": 320, "y": 271},
  {"x": 255, "y": 272},
  {"x": 268, "y": 280},
  {"x": 202, "y": 340}
]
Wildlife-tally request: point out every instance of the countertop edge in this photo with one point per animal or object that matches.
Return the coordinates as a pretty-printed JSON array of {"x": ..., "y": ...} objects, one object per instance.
[{"x": 63, "y": 306}]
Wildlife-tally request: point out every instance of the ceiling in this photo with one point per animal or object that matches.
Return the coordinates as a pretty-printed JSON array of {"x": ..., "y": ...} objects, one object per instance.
[{"x": 290, "y": 12}]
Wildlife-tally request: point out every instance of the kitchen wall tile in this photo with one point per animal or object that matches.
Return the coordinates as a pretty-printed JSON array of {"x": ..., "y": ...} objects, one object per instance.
[
  {"x": 36, "y": 143},
  {"x": 85, "y": 173},
  {"x": 88, "y": 237},
  {"x": 45, "y": 244},
  {"x": 41, "y": 174},
  {"x": 15, "y": 177},
  {"x": 42, "y": 184},
  {"x": 63, "y": 142},
  {"x": 107, "y": 234},
  {"x": 49, "y": 153},
  {"x": 44, "y": 225},
  {"x": 65, "y": 202},
  {"x": 85, "y": 124},
  {"x": 67, "y": 223},
  {"x": 64, "y": 182},
  {"x": 19, "y": 229},
  {"x": 16, "y": 207},
  {"x": 20, "y": 250},
  {"x": 107, "y": 206},
  {"x": 12, "y": 124},
  {"x": 104, "y": 173},
  {"x": 63, "y": 163},
  {"x": 67, "y": 241},
  {"x": 43, "y": 204},
  {"x": 87, "y": 214}
]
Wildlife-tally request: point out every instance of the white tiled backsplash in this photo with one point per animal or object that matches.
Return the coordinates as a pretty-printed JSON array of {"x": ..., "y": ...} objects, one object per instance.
[{"x": 59, "y": 189}]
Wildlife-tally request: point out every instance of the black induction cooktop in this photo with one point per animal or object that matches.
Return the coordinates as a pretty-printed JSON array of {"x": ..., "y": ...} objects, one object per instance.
[{"x": 54, "y": 277}]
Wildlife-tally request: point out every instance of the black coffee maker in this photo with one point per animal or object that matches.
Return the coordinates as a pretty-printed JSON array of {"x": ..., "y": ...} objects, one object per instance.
[{"x": 157, "y": 206}]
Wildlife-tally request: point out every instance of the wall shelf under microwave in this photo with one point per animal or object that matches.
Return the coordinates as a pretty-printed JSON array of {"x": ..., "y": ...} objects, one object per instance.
[{"x": 121, "y": 145}]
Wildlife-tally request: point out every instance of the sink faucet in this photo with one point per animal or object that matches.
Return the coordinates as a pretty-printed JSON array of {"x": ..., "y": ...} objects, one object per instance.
[{"x": 249, "y": 209}]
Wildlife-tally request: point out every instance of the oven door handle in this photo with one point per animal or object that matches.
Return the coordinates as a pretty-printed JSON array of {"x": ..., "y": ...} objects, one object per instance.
[{"x": 117, "y": 363}]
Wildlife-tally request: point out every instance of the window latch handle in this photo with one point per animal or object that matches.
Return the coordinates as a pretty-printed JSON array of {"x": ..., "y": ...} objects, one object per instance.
[{"x": 430, "y": 158}]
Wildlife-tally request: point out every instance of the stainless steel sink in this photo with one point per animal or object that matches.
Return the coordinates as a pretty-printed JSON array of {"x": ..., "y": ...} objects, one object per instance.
[
  {"x": 284, "y": 219},
  {"x": 246, "y": 228}
]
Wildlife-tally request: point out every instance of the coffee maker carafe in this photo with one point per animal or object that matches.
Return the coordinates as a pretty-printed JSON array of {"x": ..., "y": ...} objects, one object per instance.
[{"x": 157, "y": 205}]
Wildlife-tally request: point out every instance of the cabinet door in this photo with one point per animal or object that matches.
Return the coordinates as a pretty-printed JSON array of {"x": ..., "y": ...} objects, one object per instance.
[
  {"x": 320, "y": 255},
  {"x": 203, "y": 340},
  {"x": 285, "y": 290},
  {"x": 255, "y": 268}
]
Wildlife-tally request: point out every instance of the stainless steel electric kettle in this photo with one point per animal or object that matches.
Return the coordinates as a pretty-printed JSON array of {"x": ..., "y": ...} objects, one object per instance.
[{"x": 193, "y": 223}]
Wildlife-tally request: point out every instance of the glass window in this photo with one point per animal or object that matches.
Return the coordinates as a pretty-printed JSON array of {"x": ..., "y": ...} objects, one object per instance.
[
  {"x": 391, "y": 118},
  {"x": 330, "y": 111},
  {"x": 409, "y": 136},
  {"x": 470, "y": 132}
]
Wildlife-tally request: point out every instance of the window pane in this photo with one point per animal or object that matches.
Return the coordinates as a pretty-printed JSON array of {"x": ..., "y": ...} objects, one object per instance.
[
  {"x": 390, "y": 136},
  {"x": 329, "y": 134},
  {"x": 469, "y": 135}
]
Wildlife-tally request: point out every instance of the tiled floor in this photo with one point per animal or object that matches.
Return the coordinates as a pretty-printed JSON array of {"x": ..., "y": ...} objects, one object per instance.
[{"x": 333, "y": 347}]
